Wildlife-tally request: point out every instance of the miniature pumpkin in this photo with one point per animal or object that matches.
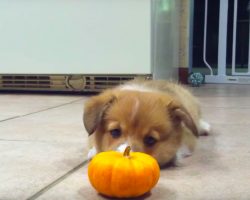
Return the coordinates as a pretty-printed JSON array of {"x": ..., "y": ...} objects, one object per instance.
[{"x": 123, "y": 175}]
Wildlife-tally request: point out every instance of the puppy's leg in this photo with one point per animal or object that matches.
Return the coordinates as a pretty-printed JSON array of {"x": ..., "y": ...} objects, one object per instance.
[
  {"x": 188, "y": 145},
  {"x": 91, "y": 145},
  {"x": 204, "y": 128}
]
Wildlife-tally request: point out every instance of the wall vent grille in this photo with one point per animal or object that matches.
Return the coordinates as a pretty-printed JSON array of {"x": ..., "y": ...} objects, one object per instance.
[{"x": 78, "y": 83}]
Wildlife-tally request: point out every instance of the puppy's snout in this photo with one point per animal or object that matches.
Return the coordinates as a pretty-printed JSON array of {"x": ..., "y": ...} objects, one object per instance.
[{"x": 122, "y": 147}]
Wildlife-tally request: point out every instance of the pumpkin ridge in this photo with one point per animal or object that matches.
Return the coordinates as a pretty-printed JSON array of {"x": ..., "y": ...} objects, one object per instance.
[
  {"x": 144, "y": 159},
  {"x": 151, "y": 170},
  {"x": 116, "y": 167},
  {"x": 97, "y": 184},
  {"x": 139, "y": 182},
  {"x": 110, "y": 181}
]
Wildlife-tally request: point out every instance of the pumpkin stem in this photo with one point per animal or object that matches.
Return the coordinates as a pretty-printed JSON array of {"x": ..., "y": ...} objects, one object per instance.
[{"x": 127, "y": 151}]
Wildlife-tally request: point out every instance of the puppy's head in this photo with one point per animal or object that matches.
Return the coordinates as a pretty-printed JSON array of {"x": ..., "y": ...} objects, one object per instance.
[{"x": 149, "y": 122}]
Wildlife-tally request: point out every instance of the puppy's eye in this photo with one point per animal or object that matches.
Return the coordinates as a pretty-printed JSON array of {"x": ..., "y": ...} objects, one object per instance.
[
  {"x": 149, "y": 141},
  {"x": 115, "y": 133}
]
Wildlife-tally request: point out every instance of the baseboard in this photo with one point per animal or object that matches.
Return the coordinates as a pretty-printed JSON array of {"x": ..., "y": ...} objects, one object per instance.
[{"x": 77, "y": 83}]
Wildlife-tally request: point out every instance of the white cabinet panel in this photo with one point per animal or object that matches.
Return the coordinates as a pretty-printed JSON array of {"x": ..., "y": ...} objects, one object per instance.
[{"x": 75, "y": 37}]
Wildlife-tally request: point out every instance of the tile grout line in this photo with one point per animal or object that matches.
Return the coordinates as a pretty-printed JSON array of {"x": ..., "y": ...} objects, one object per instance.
[
  {"x": 50, "y": 108},
  {"x": 3, "y": 120},
  {"x": 19, "y": 116},
  {"x": 28, "y": 141},
  {"x": 57, "y": 181}
]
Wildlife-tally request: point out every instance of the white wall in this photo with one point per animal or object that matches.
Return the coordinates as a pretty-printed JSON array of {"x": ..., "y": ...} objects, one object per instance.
[{"x": 75, "y": 36}]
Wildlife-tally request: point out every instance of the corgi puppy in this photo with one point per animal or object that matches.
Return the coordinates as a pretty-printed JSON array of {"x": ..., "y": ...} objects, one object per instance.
[{"x": 155, "y": 117}]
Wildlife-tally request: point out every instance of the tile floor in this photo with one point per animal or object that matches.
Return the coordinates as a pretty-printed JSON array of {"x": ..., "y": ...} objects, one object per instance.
[{"x": 43, "y": 148}]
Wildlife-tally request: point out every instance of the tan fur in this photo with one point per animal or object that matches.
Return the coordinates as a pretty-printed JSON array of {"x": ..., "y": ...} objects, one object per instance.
[{"x": 166, "y": 111}]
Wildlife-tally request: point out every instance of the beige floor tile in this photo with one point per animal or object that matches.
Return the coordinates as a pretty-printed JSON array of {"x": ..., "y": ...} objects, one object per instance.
[
  {"x": 54, "y": 125},
  {"x": 220, "y": 90},
  {"x": 37, "y": 149},
  {"x": 13, "y": 105},
  {"x": 227, "y": 115},
  {"x": 26, "y": 167},
  {"x": 225, "y": 102}
]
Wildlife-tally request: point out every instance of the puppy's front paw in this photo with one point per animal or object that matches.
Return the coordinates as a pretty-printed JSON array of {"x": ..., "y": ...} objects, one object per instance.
[
  {"x": 184, "y": 152},
  {"x": 205, "y": 128},
  {"x": 92, "y": 152}
]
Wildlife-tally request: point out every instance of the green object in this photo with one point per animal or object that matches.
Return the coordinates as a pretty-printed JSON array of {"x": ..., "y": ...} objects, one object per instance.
[
  {"x": 196, "y": 79},
  {"x": 165, "y": 5}
]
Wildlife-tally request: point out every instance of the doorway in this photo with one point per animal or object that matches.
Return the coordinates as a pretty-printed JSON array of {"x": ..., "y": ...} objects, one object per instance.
[{"x": 221, "y": 40}]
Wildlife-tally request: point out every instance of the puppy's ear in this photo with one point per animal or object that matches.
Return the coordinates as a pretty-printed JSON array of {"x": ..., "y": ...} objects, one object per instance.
[
  {"x": 94, "y": 110},
  {"x": 179, "y": 114}
]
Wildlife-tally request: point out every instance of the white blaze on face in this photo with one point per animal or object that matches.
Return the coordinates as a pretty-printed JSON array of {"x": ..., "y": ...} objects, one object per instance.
[{"x": 135, "y": 109}]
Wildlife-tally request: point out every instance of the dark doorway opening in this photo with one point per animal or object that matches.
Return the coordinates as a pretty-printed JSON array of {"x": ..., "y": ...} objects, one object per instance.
[{"x": 242, "y": 33}]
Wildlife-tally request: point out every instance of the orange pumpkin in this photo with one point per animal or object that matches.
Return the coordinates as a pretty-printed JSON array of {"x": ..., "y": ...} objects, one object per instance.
[{"x": 123, "y": 175}]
